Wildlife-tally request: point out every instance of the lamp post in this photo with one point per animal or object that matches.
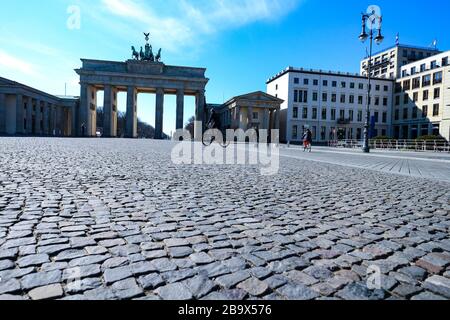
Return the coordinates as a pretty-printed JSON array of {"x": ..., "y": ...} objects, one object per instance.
[{"x": 373, "y": 18}]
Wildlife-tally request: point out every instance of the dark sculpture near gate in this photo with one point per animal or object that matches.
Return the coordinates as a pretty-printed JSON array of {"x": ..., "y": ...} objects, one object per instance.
[{"x": 147, "y": 54}]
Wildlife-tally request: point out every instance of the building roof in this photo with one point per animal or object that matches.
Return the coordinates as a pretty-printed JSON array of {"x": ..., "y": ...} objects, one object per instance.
[
  {"x": 251, "y": 95},
  {"x": 321, "y": 72},
  {"x": 405, "y": 46},
  {"x": 10, "y": 83}
]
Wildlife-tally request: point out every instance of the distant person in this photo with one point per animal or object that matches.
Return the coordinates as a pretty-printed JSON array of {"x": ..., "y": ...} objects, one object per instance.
[{"x": 307, "y": 140}]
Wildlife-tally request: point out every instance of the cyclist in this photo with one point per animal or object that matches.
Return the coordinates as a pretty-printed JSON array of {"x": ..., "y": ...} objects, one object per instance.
[{"x": 213, "y": 123}]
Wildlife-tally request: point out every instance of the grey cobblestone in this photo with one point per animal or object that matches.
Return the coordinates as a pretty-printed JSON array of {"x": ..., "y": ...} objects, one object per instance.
[{"x": 142, "y": 228}]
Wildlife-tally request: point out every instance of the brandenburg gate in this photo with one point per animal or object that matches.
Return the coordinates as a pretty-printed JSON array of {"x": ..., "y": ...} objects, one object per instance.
[{"x": 145, "y": 73}]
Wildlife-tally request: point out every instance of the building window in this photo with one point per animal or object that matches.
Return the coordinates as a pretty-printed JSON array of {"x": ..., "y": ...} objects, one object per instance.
[
  {"x": 358, "y": 133},
  {"x": 295, "y": 113},
  {"x": 360, "y": 115},
  {"x": 424, "y": 111},
  {"x": 377, "y": 101},
  {"x": 397, "y": 114},
  {"x": 343, "y": 84},
  {"x": 425, "y": 95},
  {"x": 436, "y": 129},
  {"x": 384, "y": 119},
  {"x": 444, "y": 61},
  {"x": 437, "y": 93},
  {"x": 406, "y": 99},
  {"x": 436, "y": 110},
  {"x": 433, "y": 64},
  {"x": 323, "y": 133},
  {"x": 295, "y": 96},
  {"x": 325, "y": 83},
  {"x": 424, "y": 130},
  {"x": 350, "y": 115},
  {"x": 376, "y": 116},
  {"x": 342, "y": 98},
  {"x": 333, "y": 97},
  {"x": 351, "y": 99},
  {"x": 360, "y": 99},
  {"x": 386, "y": 88},
  {"x": 315, "y": 96},
  {"x": 324, "y": 97},
  {"x": 333, "y": 114},
  {"x": 315, "y": 82},
  {"x": 406, "y": 85},
  {"x": 415, "y": 96},
  {"x": 405, "y": 113},
  {"x": 306, "y": 82},
  {"x": 342, "y": 114},
  {"x": 255, "y": 115},
  {"x": 397, "y": 100},
  {"x": 334, "y": 84},
  {"x": 437, "y": 77},
  {"x": 314, "y": 113},
  {"x": 324, "y": 114},
  {"x": 413, "y": 70},
  {"x": 385, "y": 101},
  {"x": 414, "y": 113},
  {"x": 416, "y": 83},
  {"x": 305, "y": 113},
  {"x": 294, "y": 132},
  {"x": 361, "y": 86},
  {"x": 426, "y": 80},
  {"x": 303, "y": 96},
  {"x": 296, "y": 80},
  {"x": 377, "y": 87},
  {"x": 405, "y": 53},
  {"x": 423, "y": 67},
  {"x": 352, "y": 85}
]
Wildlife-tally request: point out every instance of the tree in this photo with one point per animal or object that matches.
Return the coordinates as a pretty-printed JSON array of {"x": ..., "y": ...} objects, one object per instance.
[
  {"x": 190, "y": 126},
  {"x": 144, "y": 130}
]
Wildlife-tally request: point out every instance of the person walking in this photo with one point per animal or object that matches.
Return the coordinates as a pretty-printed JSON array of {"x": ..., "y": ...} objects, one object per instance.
[{"x": 307, "y": 140}]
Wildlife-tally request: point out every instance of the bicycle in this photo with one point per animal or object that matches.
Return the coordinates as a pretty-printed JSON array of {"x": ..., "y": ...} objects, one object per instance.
[{"x": 212, "y": 139}]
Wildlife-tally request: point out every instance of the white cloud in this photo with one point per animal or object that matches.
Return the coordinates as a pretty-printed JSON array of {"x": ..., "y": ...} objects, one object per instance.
[
  {"x": 181, "y": 23},
  {"x": 14, "y": 64}
]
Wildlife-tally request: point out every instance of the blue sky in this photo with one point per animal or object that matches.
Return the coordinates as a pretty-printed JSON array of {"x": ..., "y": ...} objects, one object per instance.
[{"x": 240, "y": 42}]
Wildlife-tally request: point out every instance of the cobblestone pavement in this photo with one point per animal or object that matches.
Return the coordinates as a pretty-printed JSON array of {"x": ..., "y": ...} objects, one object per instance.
[
  {"x": 115, "y": 219},
  {"x": 428, "y": 165}
]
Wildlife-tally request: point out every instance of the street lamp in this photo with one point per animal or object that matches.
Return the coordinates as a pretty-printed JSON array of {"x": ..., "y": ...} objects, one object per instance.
[{"x": 373, "y": 18}]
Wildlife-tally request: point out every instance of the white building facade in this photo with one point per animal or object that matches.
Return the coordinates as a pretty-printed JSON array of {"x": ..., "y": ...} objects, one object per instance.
[
  {"x": 388, "y": 63},
  {"x": 331, "y": 104},
  {"x": 422, "y": 99}
]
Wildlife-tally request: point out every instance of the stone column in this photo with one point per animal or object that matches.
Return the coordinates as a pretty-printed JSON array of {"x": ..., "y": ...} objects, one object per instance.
[
  {"x": 131, "y": 117},
  {"x": 83, "y": 112},
  {"x": 237, "y": 118},
  {"x": 109, "y": 126},
  {"x": 266, "y": 120},
  {"x": 2, "y": 113},
  {"x": 52, "y": 126},
  {"x": 277, "y": 119},
  {"x": 249, "y": 117},
  {"x": 19, "y": 114},
  {"x": 199, "y": 115},
  {"x": 45, "y": 119},
  {"x": 37, "y": 118},
  {"x": 73, "y": 119},
  {"x": 159, "y": 114},
  {"x": 180, "y": 109},
  {"x": 29, "y": 116}
]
